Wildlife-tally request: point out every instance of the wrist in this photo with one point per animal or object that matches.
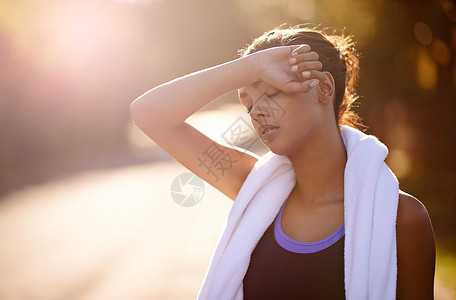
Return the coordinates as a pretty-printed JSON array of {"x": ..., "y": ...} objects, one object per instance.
[{"x": 252, "y": 67}]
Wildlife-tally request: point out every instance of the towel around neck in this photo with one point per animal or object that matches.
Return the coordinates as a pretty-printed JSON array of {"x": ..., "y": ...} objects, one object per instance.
[{"x": 371, "y": 194}]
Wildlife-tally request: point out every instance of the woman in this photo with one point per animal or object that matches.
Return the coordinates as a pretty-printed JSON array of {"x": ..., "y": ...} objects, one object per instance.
[{"x": 310, "y": 77}]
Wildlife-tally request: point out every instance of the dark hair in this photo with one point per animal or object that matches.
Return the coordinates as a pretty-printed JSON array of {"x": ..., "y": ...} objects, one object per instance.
[{"x": 337, "y": 55}]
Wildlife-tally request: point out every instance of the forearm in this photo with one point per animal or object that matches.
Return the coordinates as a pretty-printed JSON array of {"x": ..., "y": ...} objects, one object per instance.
[{"x": 169, "y": 104}]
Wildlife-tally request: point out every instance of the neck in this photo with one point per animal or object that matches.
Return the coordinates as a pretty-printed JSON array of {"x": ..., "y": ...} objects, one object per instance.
[{"x": 319, "y": 168}]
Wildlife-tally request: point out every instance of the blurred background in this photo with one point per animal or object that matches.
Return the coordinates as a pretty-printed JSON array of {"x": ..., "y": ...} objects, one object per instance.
[{"x": 85, "y": 205}]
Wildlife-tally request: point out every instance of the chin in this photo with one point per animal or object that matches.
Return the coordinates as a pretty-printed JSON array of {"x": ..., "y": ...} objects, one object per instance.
[
  {"x": 285, "y": 147},
  {"x": 279, "y": 149}
]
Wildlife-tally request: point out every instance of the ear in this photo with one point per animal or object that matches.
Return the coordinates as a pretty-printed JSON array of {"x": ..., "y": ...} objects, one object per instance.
[{"x": 327, "y": 88}]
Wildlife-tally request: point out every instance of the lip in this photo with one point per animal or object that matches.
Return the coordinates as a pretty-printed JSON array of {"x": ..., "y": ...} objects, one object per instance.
[{"x": 267, "y": 130}]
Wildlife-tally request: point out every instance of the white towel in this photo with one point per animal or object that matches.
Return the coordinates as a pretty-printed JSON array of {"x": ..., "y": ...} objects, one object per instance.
[{"x": 371, "y": 194}]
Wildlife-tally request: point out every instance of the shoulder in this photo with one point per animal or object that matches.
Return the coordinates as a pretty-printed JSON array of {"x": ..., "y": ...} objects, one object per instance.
[
  {"x": 413, "y": 226},
  {"x": 411, "y": 212},
  {"x": 415, "y": 249}
]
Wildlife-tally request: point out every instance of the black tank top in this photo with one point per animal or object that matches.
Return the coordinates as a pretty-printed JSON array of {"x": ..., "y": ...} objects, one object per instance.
[{"x": 277, "y": 273}]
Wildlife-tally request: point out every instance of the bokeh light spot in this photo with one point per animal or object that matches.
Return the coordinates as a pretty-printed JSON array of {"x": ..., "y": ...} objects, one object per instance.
[
  {"x": 426, "y": 70},
  {"x": 423, "y": 33},
  {"x": 400, "y": 162},
  {"x": 449, "y": 10},
  {"x": 440, "y": 52}
]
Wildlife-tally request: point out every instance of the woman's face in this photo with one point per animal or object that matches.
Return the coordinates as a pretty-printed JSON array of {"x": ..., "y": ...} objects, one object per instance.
[{"x": 284, "y": 122}]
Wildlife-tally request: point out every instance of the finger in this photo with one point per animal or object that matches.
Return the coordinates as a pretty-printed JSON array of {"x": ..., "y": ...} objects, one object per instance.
[
  {"x": 300, "y": 87},
  {"x": 309, "y": 56},
  {"x": 298, "y": 49},
  {"x": 308, "y": 75},
  {"x": 306, "y": 66}
]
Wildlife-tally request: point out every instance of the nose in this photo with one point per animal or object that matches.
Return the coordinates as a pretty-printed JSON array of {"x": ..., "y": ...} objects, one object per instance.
[{"x": 260, "y": 111}]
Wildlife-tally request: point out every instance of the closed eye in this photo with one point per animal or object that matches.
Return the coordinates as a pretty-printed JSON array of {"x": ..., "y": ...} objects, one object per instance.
[
  {"x": 273, "y": 94},
  {"x": 249, "y": 109}
]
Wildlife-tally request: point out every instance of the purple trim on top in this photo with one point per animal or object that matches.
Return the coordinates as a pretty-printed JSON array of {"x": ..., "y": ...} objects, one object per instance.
[{"x": 292, "y": 245}]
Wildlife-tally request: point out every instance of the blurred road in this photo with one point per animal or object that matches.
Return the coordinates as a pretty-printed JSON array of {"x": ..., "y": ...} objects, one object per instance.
[
  {"x": 114, "y": 234},
  {"x": 107, "y": 235}
]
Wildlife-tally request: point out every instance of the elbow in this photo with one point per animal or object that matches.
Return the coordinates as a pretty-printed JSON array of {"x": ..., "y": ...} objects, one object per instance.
[
  {"x": 138, "y": 113},
  {"x": 134, "y": 111},
  {"x": 148, "y": 114},
  {"x": 145, "y": 117}
]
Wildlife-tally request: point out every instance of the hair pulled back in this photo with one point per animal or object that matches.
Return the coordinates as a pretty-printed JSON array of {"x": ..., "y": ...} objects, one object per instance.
[{"x": 337, "y": 55}]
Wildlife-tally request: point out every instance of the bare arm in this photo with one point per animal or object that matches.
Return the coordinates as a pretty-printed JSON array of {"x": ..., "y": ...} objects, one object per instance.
[
  {"x": 162, "y": 111},
  {"x": 415, "y": 250}
]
